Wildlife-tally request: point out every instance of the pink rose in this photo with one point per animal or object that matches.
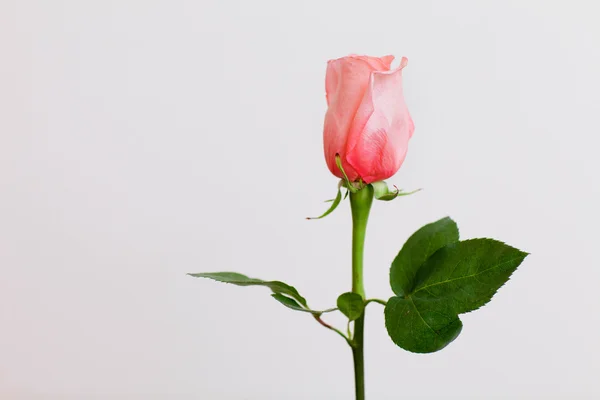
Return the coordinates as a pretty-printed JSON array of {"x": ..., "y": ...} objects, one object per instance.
[{"x": 367, "y": 122}]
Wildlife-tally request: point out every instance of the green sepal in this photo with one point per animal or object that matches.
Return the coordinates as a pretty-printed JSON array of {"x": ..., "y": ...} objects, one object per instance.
[
  {"x": 351, "y": 305},
  {"x": 334, "y": 203},
  {"x": 348, "y": 185},
  {"x": 382, "y": 192}
]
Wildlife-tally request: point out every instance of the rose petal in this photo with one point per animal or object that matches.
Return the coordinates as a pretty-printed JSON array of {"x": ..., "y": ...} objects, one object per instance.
[
  {"x": 346, "y": 82},
  {"x": 379, "y": 134}
]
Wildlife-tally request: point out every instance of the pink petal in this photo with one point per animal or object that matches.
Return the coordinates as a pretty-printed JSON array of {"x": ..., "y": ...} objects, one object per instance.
[
  {"x": 379, "y": 134},
  {"x": 376, "y": 63},
  {"x": 346, "y": 82}
]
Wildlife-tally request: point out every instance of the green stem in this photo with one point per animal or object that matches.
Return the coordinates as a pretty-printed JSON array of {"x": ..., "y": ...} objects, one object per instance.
[
  {"x": 379, "y": 301},
  {"x": 326, "y": 325},
  {"x": 360, "y": 203}
]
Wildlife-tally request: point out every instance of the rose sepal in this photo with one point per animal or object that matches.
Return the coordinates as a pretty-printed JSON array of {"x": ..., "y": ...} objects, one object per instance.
[{"x": 382, "y": 191}]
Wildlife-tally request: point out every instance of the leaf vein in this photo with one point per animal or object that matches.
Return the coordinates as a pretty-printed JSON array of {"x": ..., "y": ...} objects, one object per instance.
[
  {"x": 468, "y": 276},
  {"x": 420, "y": 316}
]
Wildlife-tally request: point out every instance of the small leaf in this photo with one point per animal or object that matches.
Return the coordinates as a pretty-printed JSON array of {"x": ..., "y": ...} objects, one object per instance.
[
  {"x": 288, "y": 302},
  {"x": 242, "y": 280},
  {"x": 420, "y": 326},
  {"x": 351, "y": 305},
  {"x": 417, "y": 249},
  {"x": 294, "y": 305}
]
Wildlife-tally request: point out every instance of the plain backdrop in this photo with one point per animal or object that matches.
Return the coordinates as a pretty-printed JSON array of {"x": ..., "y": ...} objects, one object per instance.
[{"x": 141, "y": 140}]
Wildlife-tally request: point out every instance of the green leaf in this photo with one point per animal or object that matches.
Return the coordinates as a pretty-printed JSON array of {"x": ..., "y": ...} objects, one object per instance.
[
  {"x": 467, "y": 274},
  {"x": 382, "y": 192},
  {"x": 288, "y": 302},
  {"x": 294, "y": 305},
  {"x": 457, "y": 278},
  {"x": 420, "y": 326},
  {"x": 351, "y": 305},
  {"x": 242, "y": 280},
  {"x": 417, "y": 249}
]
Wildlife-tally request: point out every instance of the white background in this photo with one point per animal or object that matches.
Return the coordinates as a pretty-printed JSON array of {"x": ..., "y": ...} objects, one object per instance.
[{"x": 140, "y": 140}]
